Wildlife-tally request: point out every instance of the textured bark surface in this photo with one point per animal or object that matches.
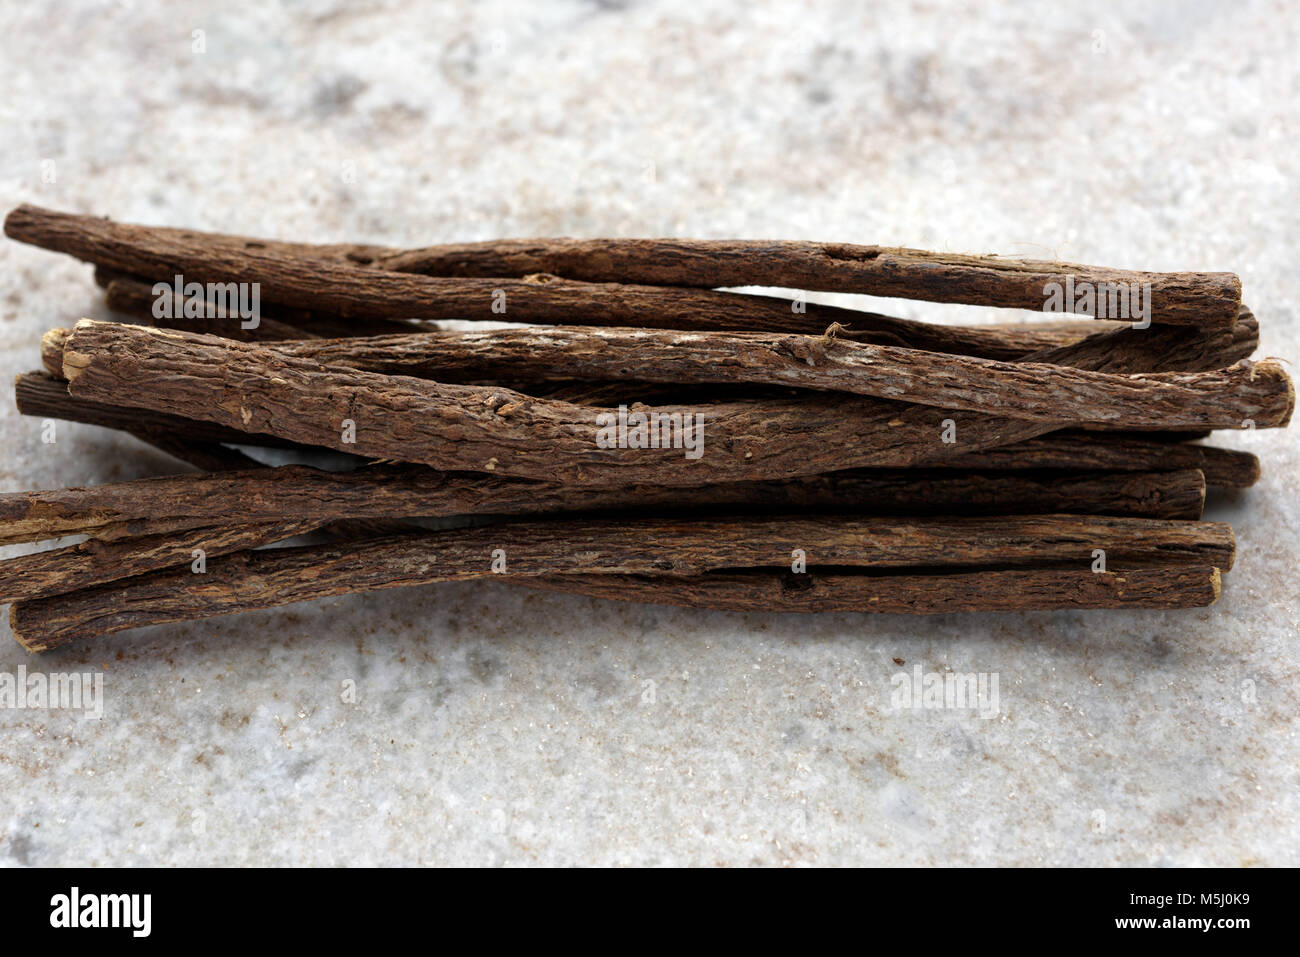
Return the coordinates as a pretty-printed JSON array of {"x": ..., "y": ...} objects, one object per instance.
[
  {"x": 459, "y": 357},
  {"x": 326, "y": 282},
  {"x": 41, "y": 395},
  {"x": 135, "y": 297},
  {"x": 299, "y": 493},
  {"x": 261, "y": 579},
  {"x": 1222, "y": 468},
  {"x": 59, "y": 570},
  {"x": 1162, "y": 348},
  {"x": 242, "y": 386},
  {"x": 37, "y": 394},
  {"x": 1197, "y": 298},
  {"x": 1003, "y": 341},
  {"x": 459, "y": 427},
  {"x": 1004, "y": 590},
  {"x": 1259, "y": 392},
  {"x": 1186, "y": 350},
  {"x": 1121, "y": 351},
  {"x": 192, "y": 442},
  {"x": 542, "y": 354}
]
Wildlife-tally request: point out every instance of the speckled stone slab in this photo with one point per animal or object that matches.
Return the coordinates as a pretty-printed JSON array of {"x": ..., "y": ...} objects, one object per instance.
[{"x": 488, "y": 724}]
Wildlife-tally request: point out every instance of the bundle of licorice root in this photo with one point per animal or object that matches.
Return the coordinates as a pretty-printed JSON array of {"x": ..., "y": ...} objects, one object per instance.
[{"x": 627, "y": 429}]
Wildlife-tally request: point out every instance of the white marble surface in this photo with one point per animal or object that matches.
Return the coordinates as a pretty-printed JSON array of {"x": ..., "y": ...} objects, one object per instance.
[{"x": 493, "y": 725}]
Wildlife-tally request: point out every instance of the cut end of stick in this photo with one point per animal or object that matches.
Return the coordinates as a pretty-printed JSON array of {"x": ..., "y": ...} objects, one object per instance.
[
  {"x": 30, "y": 643},
  {"x": 1216, "y": 585},
  {"x": 17, "y": 220},
  {"x": 1290, "y": 390},
  {"x": 1253, "y": 473},
  {"x": 1273, "y": 371},
  {"x": 75, "y": 362},
  {"x": 52, "y": 344}
]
